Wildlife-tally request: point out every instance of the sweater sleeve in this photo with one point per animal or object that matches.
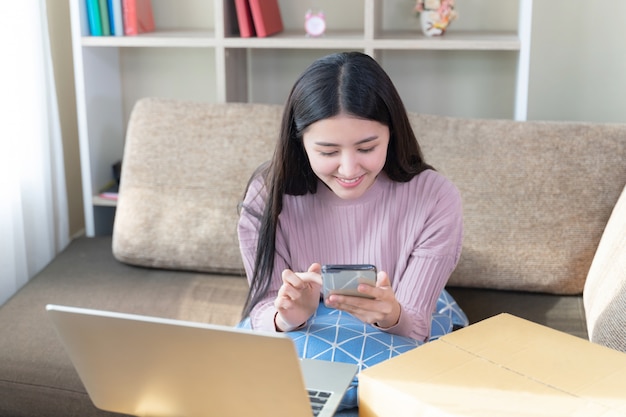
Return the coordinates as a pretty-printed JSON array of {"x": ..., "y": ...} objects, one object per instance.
[
  {"x": 262, "y": 315},
  {"x": 436, "y": 252}
]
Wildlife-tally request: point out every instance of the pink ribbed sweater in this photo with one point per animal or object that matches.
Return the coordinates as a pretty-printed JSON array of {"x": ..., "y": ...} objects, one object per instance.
[{"x": 413, "y": 231}]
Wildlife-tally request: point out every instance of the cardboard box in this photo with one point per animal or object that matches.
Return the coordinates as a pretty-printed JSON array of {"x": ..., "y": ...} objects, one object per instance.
[{"x": 503, "y": 366}]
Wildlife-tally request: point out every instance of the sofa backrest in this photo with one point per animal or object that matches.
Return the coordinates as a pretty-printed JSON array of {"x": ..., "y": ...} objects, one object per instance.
[
  {"x": 536, "y": 195},
  {"x": 185, "y": 168}
]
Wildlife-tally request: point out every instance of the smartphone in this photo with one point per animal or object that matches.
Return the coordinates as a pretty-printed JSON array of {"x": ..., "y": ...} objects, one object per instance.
[{"x": 344, "y": 279}]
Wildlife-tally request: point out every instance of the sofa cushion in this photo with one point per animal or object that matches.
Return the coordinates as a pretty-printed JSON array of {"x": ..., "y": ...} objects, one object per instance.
[
  {"x": 536, "y": 196},
  {"x": 184, "y": 172},
  {"x": 605, "y": 290}
]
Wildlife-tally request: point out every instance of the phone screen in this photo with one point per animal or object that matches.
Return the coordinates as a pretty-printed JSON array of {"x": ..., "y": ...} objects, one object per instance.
[{"x": 345, "y": 279}]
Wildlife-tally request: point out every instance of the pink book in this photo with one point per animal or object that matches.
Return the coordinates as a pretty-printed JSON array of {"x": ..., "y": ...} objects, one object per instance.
[
  {"x": 266, "y": 17},
  {"x": 244, "y": 18},
  {"x": 138, "y": 16}
]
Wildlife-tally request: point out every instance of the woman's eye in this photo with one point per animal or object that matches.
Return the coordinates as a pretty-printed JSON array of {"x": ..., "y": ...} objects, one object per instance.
[
  {"x": 367, "y": 150},
  {"x": 332, "y": 153}
]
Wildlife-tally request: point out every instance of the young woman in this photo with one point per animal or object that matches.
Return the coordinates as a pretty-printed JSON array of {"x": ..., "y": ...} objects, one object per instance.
[{"x": 347, "y": 184}]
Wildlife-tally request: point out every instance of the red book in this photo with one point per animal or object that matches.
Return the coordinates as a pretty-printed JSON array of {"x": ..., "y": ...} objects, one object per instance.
[
  {"x": 266, "y": 17},
  {"x": 244, "y": 18},
  {"x": 138, "y": 16}
]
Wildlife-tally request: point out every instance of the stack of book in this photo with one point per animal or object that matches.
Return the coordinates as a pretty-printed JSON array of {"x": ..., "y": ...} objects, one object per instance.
[
  {"x": 259, "y": 18},
  {"x": 119, "y": 17}
]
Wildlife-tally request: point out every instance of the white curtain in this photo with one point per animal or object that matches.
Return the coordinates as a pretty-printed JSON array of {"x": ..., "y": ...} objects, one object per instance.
[{"x": 33, "y": 201}]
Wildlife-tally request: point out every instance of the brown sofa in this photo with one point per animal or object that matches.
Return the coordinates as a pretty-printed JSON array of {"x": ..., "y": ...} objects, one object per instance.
[{"x": 537, "y": 197}]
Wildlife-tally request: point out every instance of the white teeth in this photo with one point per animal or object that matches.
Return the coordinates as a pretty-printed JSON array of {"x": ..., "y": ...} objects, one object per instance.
[{"x": 349, "y": 181}]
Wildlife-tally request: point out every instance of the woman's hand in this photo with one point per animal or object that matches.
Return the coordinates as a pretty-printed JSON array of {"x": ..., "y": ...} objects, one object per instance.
[
  {"x": 383, "y": 310},
  {"x": 297, "y": 298}
]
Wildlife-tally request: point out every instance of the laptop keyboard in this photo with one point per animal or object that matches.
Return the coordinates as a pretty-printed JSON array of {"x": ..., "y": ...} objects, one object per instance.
[{"x": 318, "y": 399}]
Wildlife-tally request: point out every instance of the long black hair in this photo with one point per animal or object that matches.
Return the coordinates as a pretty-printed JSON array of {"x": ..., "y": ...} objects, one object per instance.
[{"x": 351, "y": 83}]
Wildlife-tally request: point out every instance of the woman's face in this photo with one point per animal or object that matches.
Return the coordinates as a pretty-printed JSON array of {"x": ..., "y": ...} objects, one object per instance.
[{"x": 347, "y": 153}]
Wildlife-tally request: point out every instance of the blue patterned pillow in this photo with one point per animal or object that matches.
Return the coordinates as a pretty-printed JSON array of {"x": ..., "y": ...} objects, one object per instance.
[
  {"x": 336, "y": 336},
  {"x": 447, "y": 316}
]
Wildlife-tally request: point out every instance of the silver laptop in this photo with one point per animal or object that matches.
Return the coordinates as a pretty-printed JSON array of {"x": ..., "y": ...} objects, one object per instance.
[{"x": 153, "y": 367}]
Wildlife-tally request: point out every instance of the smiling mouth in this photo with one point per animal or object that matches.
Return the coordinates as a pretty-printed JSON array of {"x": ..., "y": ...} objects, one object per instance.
[{"x": 350, "y": 181}]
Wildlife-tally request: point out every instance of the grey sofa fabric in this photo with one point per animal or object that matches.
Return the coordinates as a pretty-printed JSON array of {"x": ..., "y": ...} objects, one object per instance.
[
  {"x": 536, "y": 195},
  {"x": 186, "y": 165},
  {"x": 561, "y": 312}
]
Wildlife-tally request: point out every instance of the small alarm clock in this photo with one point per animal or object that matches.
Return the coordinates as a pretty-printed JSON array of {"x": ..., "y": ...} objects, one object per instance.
[{"x": 314, "y": 23}]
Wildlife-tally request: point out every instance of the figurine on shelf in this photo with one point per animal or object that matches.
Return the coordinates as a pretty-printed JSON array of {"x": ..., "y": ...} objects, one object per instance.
[
  {"x": 314, "y": 23},
  {"x": 435, "y": 15}
]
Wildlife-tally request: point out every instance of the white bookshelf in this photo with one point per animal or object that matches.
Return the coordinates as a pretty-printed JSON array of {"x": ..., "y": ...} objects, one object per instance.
[{"x": 195, "y": 53}]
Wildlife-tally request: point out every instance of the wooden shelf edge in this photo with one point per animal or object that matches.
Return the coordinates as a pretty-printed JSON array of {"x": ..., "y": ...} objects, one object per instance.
[
  {"x": 464, "y": 40},
  {"x": 103, "y": 202},
  {"x": 405, "y": 40},
  {"x": 173, "y": 38}
]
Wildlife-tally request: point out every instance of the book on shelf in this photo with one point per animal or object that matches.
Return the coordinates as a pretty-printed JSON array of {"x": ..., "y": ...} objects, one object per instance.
[
  {"x": 110, "y": 191},
  {"x": 266, "y": 17},
  {"x": 115, "y": 17},
  {"x": 138, "y": 17},
  {"x": 93, "y": 16},
  {"x": 104, "y": 17},
  {"x": 244, "y": 19}
]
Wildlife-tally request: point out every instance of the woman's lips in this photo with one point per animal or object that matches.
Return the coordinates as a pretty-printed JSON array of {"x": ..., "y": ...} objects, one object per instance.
[{"x": 350, "y": 183}]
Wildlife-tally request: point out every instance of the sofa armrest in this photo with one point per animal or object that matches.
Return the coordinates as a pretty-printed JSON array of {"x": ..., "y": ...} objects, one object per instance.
[{"x": 605, "y": 289}]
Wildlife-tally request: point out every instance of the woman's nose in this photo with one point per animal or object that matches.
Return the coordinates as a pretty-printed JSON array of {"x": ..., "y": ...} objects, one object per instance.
[{"x": 349, "y": 165}]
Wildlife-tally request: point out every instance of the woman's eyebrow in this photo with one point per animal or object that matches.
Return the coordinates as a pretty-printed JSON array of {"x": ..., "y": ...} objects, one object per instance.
[{"x": 361, "y": 142}]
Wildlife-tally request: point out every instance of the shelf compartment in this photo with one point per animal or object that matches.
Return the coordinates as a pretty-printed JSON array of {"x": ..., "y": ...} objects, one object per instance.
[{"x": 103, "y": 202}]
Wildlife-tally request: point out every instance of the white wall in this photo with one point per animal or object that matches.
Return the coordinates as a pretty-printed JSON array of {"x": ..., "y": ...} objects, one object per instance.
[{"x": 578, "y": 61}]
